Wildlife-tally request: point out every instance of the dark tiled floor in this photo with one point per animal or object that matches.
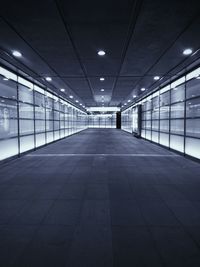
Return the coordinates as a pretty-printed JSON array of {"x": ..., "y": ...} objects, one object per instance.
[{"x": 101, "y": 205}]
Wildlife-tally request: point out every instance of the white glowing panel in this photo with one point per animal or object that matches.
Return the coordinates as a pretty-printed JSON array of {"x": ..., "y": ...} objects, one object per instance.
[
  {"x": 62, "y": 133},
  {"x": 178, "y": 82},
  {"x": 103, "y": 109},
  {"x": 8, "y": 74},
  {"x": 164, "y": 139},
  {"x": 38, "y": 89},
  {"x": 40, "y": 139},
  {"x": 192, "y": 147},
  {"x": 143, "y": 133},
  {"x": 177, "y": 142},
  {"x": 165, "y": 89},
  {"x": 155, "y": 136},
  {"x": 49, "y": 137},
  {"x": 26, "y": 143},
  {"x": 56, "y": 135},
  {"x": 148, "y": 135},
  {"x": 8, "y": 148},
  {"x": 25, "y": 83},
  {"x": 193, "y": 74}
]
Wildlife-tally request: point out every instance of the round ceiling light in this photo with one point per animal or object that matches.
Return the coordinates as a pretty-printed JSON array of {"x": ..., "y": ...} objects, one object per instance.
[
  {"x": 187, "y": 51},
  {"x": 16, "y": 53},
  {"x": 101, "y": 53},
  {"x": 156, "y": 78},
  {"x": 48, "y": 79}
]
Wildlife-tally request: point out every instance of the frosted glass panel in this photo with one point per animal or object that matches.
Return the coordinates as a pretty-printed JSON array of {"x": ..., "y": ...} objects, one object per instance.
[
  {"x": 164, "y": 125},
  {"x": 155, "y": 125},
  {"x": 193, "y": 88},
  {"x": 192, "y": 147},
  {"x": 165, "y": 99},
  {"x": 177, "y": 110},
  {"x": 143, "y": 133},
  {"x": 148, "y": 135},
  {"x": 155, "y": 136},
  {"x": 164, "y": 139},
  {"x": 177, "y": 143},
  {"x": 40, "y": 139},
  {"x": 193, "y": 127},
  {"x": 9, "y": 148},
  {"x": 49, "y": 137},
  {"x": 26, "y": 111},
  {"x": 49, "y": 125},
  {"x": 164, "y": 112},
  {"x": 25, "y": 94},
  {"x": 62, "y": 133},
  {"x": 56, "y": 135},
  {"x": 39, "y": 126},
  {"x": 26, "y": 126},
  {"x": 177, "y": 126},
  {"x": 8, "y": 88},
  {"x": 39, "y": 112},
  {"x": 26, "y": 143},
  {"x": 193, "y": 107},
  {"x": 178, "y": 93},
  {"x": 8, "y": 127}
]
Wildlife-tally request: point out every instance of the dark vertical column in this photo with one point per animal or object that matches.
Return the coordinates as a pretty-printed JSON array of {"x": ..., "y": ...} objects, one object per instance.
[
  {"x": 45, "y": 117},
  {"x": 34, "y": 118},
  {"x": 170, "y": 107},
  {"x": 18, "y": 117},
  {"x": 184, "y": 140},
  {"x": 139, "y": 120},
  {"x": 159, "y": 118},
  {"x": 118, "y": 120}
]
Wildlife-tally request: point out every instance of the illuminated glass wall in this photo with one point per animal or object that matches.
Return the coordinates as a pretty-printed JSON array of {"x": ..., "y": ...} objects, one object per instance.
[
  {"x": 126, "y": 120},
  {"x": 31, "y": 116},
  {"x": 171, "y": 115},
  {"x": 102, "y": 120}
]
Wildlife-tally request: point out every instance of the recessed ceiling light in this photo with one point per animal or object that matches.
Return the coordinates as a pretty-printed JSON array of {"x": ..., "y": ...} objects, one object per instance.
[
  {"x": 102, "y": 90},
  {"x": 129, "y": 101},
  {"x": 71, "y": 96},
  {"x": 48, "y": 79},
  {"x": 125, "y": 104},
  {"x": 143, "y": 89},
  {"x": 5, "y": 79},
  {"x": 62, "y": 90},
  {"x": 134, "y": 96},
  {"x": 102, "y": 79},
  {"x": 81, "y": 104},
  {"x": 156, "y": 78},
  {"x": 187, "y": 51},
  {"x": 16, "y": 53},
  {"x": 77, "y": 101},
  {"x": 101, "y": 53}
]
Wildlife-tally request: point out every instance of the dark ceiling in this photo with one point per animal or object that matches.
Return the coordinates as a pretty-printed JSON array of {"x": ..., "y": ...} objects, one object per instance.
[{"x": 60, "y": 38}]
